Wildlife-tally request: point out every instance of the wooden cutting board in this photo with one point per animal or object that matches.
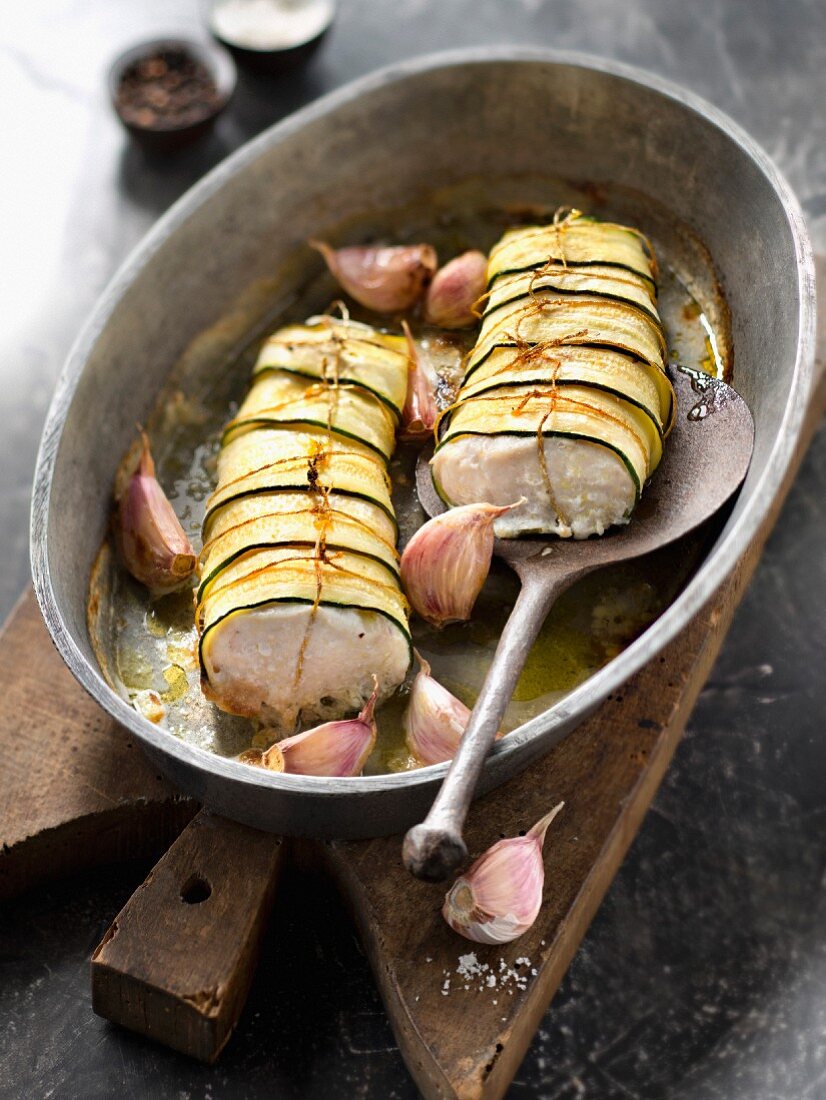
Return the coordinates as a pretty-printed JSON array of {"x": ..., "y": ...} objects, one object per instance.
[{"x": 176, "y": 964}]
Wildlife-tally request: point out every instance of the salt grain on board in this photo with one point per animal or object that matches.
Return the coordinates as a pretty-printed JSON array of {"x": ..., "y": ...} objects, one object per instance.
[{"x": 483, "y": 977}]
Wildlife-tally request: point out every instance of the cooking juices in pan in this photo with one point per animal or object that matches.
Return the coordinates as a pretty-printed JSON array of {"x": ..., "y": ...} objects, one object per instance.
[{"x": 148, "y": 647}]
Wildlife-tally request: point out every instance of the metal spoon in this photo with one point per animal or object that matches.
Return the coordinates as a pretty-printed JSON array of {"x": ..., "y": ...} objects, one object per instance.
[{"x": 705, "y": 461}]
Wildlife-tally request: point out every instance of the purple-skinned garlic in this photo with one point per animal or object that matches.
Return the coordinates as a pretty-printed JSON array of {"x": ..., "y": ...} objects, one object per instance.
[
  {"x": 336, "y": 748},
  {"x": 384, "y": 278},
  {"x": 420, "y": 411},
  {"x": 153, "y": 544},
  {"x": 445, "y": 564},
  {"x": 499, "y": 897},
  {"x": 434, "y": 720},
  {"x": 455, "y": 290}
]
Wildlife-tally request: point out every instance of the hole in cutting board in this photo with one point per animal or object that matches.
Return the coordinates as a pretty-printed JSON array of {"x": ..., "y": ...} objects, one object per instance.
[{"x": 195, "y": 890}]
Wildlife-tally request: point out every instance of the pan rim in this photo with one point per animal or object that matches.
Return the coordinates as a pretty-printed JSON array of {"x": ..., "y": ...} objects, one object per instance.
[{"x": 714, "y": 570}]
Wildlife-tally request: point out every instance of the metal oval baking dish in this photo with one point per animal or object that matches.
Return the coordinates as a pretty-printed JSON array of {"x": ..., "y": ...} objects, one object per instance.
[{"x": 384, "y": 140}]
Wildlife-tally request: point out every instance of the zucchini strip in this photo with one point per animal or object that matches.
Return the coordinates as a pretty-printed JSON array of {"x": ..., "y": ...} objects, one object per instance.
[
  {"x": 341, "y": 409},
  {"x": 571, "y": 351},
  {"x": 300, "y": 603},
  {"x": 340, "y": 352},
  {"x": 620, "y": 286}
]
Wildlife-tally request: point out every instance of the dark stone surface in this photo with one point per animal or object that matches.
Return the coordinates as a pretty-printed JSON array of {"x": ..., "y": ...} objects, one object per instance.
[{"x": 703, "y": 975}]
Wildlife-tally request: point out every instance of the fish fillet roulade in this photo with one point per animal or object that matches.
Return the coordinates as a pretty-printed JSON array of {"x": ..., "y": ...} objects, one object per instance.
[
  {"x": 565, "y": 400},
  {"x": 299, "y": 604}
]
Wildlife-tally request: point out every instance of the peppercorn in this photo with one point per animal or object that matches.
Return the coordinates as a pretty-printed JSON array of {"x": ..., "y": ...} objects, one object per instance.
[{"x": 167, "y": 90}]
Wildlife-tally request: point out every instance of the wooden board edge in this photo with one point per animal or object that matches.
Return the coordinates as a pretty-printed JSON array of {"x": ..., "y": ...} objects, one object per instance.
[
  {"x": 490, "y": 1080},
  {"x": 132, "y": 831}
]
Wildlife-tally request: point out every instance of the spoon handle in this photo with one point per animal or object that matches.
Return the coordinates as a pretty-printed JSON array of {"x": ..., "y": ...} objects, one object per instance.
[{"x": 435, "y": 848}]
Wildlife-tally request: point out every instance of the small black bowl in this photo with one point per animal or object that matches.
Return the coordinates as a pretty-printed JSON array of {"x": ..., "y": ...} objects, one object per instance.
[
  {"x": 270, "y": 61},
  {"x": 165, "y": 139}
]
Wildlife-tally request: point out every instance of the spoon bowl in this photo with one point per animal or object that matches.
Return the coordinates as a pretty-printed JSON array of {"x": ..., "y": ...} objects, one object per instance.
[{"x": 704, "y": 462}]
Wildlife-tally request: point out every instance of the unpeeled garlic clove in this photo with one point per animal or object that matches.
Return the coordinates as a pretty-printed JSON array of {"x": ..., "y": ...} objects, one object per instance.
[
  {"x": 155, "y": 548},
  {"x": 455, "y": 289},
  {"x": 333, "y": 749},
  {"x": 420, "y": 410},
  {"x": 445, "y": 564},
  {"x": 499, "y": 897},
  {"x": 434, "y": 720},
  {"x": 387, "y": 279}
]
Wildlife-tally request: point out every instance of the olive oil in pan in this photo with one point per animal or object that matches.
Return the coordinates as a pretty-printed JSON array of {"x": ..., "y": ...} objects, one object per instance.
[{"x": 156, "y": 642}]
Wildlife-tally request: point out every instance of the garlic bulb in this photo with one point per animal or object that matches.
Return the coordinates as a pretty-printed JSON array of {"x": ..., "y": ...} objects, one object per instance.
[
  {"x": 499, "y": 897},
  {"x": 420, "y": 412},
  {"x": 332, "y": 749},
  {"x": 154, "y": 546},
  {"x": 445, "y": 564},
  {"x": 434, "y": 720},
  {"x": 455, "y": 289},
  {"x": 388, "y": 279}
]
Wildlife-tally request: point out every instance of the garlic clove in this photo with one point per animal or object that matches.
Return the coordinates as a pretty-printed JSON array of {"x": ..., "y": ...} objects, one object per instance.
[
  {"x": 154, "y": 545},
  {"x": 271, "y": 758},
  {"x": 455, "y": 289},
  {"x": 333, "y": 749},
  {"x": 387, "y": 279},
  {"x": 434, "y": 720},
  {"x": 499, "y": 897},
  {"x": 420, "y": 411},
  {"x": 445, "y": 564}
]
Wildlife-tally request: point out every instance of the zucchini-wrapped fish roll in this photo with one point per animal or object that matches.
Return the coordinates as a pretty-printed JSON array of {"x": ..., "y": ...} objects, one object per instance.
[
  {"x": 565, "y": 400},
  {"x": 300, "y": 605}
]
